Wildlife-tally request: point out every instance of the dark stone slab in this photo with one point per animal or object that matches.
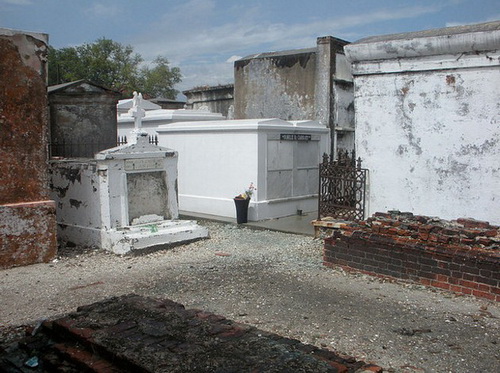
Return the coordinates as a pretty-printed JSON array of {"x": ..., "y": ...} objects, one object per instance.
[{"x": 134, "y": 333}]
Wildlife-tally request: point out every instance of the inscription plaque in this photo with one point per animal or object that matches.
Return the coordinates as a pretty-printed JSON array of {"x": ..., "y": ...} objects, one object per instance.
[
  {"x": 143, "y": 164},
  {"x": 295, "y": 137}
]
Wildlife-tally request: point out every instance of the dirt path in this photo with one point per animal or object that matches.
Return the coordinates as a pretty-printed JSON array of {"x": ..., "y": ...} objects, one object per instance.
[{"x": 276, "y": 282}]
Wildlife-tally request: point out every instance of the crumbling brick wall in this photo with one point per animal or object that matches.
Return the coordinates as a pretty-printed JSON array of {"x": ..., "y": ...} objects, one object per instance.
[{"x": 462, "y": 256}]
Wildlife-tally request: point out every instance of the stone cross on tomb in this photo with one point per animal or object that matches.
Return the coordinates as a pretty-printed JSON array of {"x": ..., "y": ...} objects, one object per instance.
[{"x": 137, "y": 112}]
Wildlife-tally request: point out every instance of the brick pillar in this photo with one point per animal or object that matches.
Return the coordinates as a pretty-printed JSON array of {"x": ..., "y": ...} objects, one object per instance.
[{"x": 27, "y": 216}]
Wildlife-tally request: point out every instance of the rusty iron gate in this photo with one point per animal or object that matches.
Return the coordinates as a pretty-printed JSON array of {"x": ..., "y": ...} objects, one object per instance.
[{"x": 342, "y": 187}]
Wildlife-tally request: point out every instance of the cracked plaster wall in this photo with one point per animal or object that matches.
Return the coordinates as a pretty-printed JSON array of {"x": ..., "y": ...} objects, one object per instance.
[
  {"x": 430, "y": 135},
  {"x": 123, "y": 186}
]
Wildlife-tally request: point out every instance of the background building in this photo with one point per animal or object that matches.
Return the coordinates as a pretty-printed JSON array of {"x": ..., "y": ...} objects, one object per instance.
[
  {"x": 217, "y": 99},
  {"x": 303, "y": 84},
  {"x": 82, "y": 119}
]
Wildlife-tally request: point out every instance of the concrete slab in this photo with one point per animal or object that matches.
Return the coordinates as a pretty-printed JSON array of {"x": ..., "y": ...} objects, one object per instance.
[
  {"x": 153, "y": 235},
  {"x": 298, "y": 224}
]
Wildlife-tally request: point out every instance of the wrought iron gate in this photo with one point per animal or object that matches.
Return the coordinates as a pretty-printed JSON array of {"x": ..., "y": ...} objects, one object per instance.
[{"x": 342, "y": 187}]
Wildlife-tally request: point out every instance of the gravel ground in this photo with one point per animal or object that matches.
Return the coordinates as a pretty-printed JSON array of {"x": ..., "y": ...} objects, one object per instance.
[{"x": 276, "y": 282}]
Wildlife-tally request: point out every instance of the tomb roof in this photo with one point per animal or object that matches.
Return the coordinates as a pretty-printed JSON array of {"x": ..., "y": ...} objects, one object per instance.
[
  {"x": 209, "y": 88},
  {"x": 445, "y": 31},
  {"x": 165, "y": 100},
  {"x": 172, "y": 115},
  {"x": 43, "y": 37},
  {"x": 279, "y": 53},
  {"x": 242, "y": 125},
  {"x": 63, "y": 86},
  {"x": 467, "y": 39}
]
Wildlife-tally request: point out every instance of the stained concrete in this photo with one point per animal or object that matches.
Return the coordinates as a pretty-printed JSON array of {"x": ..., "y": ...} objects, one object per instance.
[{"x": 298, "y": 224}]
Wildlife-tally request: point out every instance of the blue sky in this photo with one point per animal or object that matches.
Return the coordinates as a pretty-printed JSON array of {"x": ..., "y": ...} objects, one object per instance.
[{"x": 204, "y": 37}]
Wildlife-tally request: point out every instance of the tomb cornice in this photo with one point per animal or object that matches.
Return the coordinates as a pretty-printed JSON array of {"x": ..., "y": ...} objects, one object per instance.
[
  {"x": 243, "y": 125},
  {"x": 446, "y": 41}
]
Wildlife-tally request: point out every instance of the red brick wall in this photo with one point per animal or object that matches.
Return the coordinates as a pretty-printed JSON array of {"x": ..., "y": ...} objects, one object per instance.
[{"x": 462, "y": 256}]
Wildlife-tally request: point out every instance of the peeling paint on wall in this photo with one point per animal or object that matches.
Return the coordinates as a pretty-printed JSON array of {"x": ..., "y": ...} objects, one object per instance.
[
  {"x": 487, "y": 147},
  {"x": 432, "y": 143},
  {"x": 75, "y": 203},
  {"x": 405, "y": 110}
]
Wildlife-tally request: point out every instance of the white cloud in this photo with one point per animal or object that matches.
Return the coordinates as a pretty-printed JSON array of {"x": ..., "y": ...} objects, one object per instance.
[
  {"x": 203, "y": 40},
  {"x": 233, "y": 58},
  {"x": 207, "y": 74},
  {"x": 103, "y": 10},
  {"x": 194, "y": 36},
  {"x": 18, "y": 2},
  {"x": 489, "y": 19},
  {"x": 453, "y": 24}
]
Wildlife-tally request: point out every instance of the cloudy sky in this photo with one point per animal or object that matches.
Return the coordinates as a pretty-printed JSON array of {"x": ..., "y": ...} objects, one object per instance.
[{"x": 204, "y": 37}]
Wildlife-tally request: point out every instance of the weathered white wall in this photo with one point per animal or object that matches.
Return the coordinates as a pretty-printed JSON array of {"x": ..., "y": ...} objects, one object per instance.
[
  {"x": 428, "y": 123},
  {"x": 275, "y": 85},
  {"x": 218, "y": 160},
  {"x": 76, "y": 186}
]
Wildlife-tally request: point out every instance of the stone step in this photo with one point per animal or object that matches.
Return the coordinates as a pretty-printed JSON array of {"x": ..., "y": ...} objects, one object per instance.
[
  {"x": 83, "y": 360},
  {"x": 150, "y": 236},
  {"x": 76, "y": 347}
]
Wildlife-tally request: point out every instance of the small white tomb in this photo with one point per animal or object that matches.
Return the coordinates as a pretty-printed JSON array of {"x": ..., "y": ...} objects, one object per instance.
[{"x": 123, "y": 200}]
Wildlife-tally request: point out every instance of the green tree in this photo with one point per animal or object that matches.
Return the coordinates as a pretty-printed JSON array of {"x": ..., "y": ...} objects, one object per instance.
[
  {"x": 115, "y": 66},
  {"x": 159, "y": 80}
]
